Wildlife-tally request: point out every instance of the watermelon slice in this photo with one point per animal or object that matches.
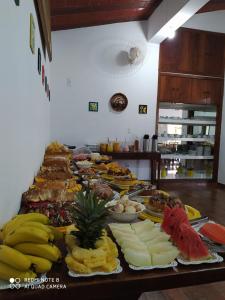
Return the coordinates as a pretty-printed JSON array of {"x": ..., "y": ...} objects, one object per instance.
[
  {"x": 214, "y": 232},
  {"x": 173, "y": 217},
  {"x": 176, "y": 224},
  {"x": 190, "y": 244},
  {"x": 165, "y": 223}
]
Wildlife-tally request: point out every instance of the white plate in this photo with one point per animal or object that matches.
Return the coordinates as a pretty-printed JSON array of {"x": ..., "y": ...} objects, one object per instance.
[
  {"x": 118, "y": 270},
  {"x": 171, "y": 265},
  {"x": 215, "y": 259},
  {"x": 4, "y": 285}
]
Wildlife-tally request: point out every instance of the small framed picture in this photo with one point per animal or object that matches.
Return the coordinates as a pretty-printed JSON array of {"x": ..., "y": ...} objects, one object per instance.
[
  {"x": 39, "y": 61},
  {"x": 143, "y": 109},
  {"x": 93, "y": 106},
  {"x": 32, "y": 34},
  {"x": 43, "y": 74},
  {"x": 46, "y": 83}
]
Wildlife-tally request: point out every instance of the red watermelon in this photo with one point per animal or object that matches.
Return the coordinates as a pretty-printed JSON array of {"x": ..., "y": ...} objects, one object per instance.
[
  {"x": 172, "y": 219},
  {"x": 176, "y": 224},
  {"x": 190, "y": 244}
]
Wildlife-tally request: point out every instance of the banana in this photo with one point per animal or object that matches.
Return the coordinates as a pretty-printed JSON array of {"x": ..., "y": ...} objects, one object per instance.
[
  {"x": 14, "y": 258},
  {"x": 48, "y": 251},
  {"x": 20, "y": 219},
  {"x": 41, "y": 226},
  {"x": 58, "y": 235},
  {"x": 26, "y": 234},
  {"x": 40, "y": 264},
  {"x": 7, "y": 272}
]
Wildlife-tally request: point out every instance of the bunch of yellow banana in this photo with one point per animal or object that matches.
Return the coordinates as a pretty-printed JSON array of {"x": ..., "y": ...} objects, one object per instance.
[
  {"x": 81, "y": 260},
  {"x": 14, "y": 264},
  {"x": 27, "y": 246}
]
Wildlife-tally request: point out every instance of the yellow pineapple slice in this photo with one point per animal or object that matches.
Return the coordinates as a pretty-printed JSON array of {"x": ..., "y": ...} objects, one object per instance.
[{"x": 76, "y": 266}]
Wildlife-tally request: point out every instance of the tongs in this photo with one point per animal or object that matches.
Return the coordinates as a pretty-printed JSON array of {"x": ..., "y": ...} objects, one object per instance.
[{"x": 215, "y": 247}]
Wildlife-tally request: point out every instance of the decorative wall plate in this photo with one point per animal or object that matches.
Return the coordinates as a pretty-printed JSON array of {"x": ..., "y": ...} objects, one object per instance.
[{"x": 118, "y": 102}]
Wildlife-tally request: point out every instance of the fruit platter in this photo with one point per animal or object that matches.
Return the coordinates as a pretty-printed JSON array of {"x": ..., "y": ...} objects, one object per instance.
[
  {"x": 90, "y": 250},
  {"x": 101, "y": 230},
  {"x": 144, "y": 245}
]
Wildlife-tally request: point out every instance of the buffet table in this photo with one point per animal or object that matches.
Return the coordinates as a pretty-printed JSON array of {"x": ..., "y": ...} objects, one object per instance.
[
  {"x": 154, "y": 159},
  {"x": 130, "y": 284}
]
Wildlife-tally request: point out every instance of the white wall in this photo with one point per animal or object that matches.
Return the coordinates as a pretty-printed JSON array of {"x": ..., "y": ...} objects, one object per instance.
[
  {"x": 91, "y": 65},
  {"x": 24, "y": 112}
]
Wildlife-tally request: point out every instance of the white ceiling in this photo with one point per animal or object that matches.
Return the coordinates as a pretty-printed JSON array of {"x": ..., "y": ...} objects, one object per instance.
[{"x": 212, "y": 21}]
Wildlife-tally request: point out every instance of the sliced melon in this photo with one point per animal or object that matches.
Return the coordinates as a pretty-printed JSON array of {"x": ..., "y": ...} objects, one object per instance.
[
  {"x": 126, "y": 231},
  {"x": 160, "y": 247},
  {"x": 136, "y": 258},
  {"x": 164, "y": 258},
  {"x": 149, "y": 235},
  {"x": 162, "y": 237},
  {"x": 140, "y": 227},
  {"x": 139, "y": 246},
  {"x": 119, "y": 226},
  {"x": 122, "y": 238}
]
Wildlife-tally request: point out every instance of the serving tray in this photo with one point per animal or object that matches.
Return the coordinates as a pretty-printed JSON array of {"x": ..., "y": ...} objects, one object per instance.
[
  {"x": 171, "y": 265},
  {"x": 118, "y": 270},
  {"x": 216, "y": 258}
]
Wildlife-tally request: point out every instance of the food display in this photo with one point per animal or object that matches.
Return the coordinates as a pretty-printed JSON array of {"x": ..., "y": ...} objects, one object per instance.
[
  {"x": 54, "y": 189},
  {"x": 158, "y": 200},
  {"x": 125, "y": 210},
  {"x": 87, "y": 171},
  {"x": 56, "y": 148},
  {"x": 126, "y": 182},
  {"x": 90, "y": 249},
  {"x": 27, "y": 248},
  {"x": 176, "y": 224},
  {"x": 82, "y": 205},
  {"x": 84, "y": 164},
  {"x": 144, "y": 244},
  {"x": 103, "y": 190},
  {"x": 81, "y": 156},
  {"x": 102, "y": 159},
  {"x": 53, "y": 174},
  {"x": 116, "y": 169}
]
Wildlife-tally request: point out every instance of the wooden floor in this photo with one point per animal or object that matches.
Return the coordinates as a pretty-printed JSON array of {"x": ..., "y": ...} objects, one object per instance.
[
  {"x": 213, "y": 291},
  {"x": 194, "y": 193}
]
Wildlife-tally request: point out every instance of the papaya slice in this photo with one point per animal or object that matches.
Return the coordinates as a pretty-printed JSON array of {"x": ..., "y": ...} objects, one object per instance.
[{"x": 214, "y": 232}]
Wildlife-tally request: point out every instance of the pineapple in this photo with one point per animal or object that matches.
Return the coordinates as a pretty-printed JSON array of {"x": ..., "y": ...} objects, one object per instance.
[
  {"x": 90, "y": 249},
  {"x": 90, "y": 217}
]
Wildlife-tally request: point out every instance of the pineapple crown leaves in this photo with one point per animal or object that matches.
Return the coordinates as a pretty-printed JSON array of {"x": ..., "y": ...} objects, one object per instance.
[{"x": 90, "y": 217}]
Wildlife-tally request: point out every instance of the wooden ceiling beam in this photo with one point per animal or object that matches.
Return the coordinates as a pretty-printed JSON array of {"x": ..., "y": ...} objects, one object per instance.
[
  {"x": 213, "y": 5},
  {"x": 60, "y": 8},
  {"x": 96, "y": 18},
  {"x": 66, "y": 14}
]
